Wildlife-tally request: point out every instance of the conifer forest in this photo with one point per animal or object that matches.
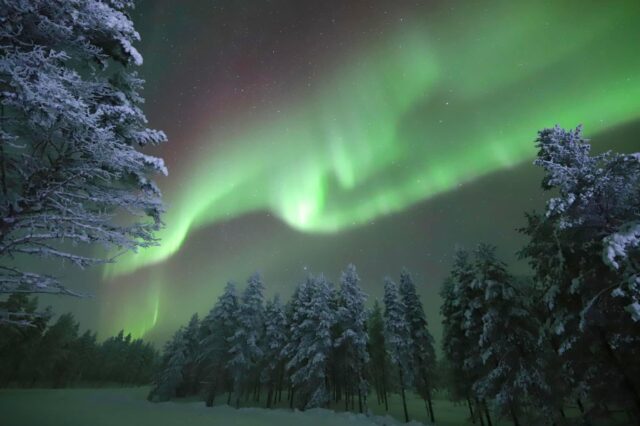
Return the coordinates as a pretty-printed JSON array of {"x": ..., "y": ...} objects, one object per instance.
[{"x": 362, "y": 213}]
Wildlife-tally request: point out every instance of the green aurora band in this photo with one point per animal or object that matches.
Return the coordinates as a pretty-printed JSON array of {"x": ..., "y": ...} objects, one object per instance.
[{"x": 443, "y": 101}]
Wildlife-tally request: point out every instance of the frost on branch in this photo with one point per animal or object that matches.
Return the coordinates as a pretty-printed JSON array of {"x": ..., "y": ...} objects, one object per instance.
[
  {"x": 70, "y": 125},
  {"x": 617, "y": 245}
]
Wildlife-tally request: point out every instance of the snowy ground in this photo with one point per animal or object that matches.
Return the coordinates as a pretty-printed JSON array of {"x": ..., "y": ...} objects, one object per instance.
[
  {"x": 124, "y": 407},
  {"x": 128, "y": 407}
]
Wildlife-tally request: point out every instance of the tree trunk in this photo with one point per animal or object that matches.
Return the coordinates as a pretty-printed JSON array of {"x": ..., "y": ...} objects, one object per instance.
[
  {"x": 473, "y": 418},
  {"x": 365, "y": 404},
  {"x": 211, "y": 395},
  {"x": 280, "y": 386},
  {"x": 479, "y": 411},
  {"x": 426, "y": 406},
  {"x": 427, "y": 391},
  {"x": 376, "y": 386},
  {"x": 486, "y": 413},
  {"x": 269, "y": 396},
  {"x": 513, "y": 415},
  {"x": 3, "y": 167},
  {"x": 626, "y": 380},
  {"x": 404, "y": 400},
  {"x": 384, "y": 389},
  {"x": 386, "y": 399},
  {"x": 433, "y": 420}
]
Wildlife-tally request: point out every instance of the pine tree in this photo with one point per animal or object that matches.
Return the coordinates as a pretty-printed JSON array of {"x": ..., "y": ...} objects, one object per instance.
[
  {"x": 275, "y": 340},
  {"x": 584, "y": 252},
  {"x": 70, "y": 122},
  {"x": 423, "y": 356},
  {"x": 57, "y": 349},
  {"x": 217, "y": 328},
  {"x": 295, "y": 316},
  {"x": 398, "y": 338},
  {"x": 139, "y": 365},
  {"x": 378, "y": 363},
  {"x": 57, "y": 355},
  {"x": 311, "y": 345},
  {"x": 87, "y": 352},
  {"x": 170, "y": 377},
  {"x": 462, "y": 326},
  {"x": 20, "y": 335},
  {"x": 246, "y": 352},
  {"x": 192, "y": 338},
  {"x": 453, "y": 341},
  {"x": 508, "y": 343},
  {"x": 353, "y": 339}
]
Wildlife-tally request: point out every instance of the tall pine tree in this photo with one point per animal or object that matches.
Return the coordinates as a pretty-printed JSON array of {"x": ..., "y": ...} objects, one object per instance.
[
  {"x": 584, "y": 252},
  {"x": 311, "y": 342},
  {"x": 515, "y": 374},
  {"x": 71, "y": 124},
  {"x": 170, "y": 377},
  {"x": 397, "y": 334},
  {"x": 352, "y": 317},
  {"x": 275, "y": 339},
  {"x": 462, "y": 311},
  {"x": 217, "y": 329},
  {"x": 246, "y": 346},
  {"x": 423, "y": 355},
  {"x": 379, "y": 360}
]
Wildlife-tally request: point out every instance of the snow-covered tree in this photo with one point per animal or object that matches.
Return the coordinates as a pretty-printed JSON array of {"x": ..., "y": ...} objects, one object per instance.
[
  {"x": 171, "y": 374},
  {"x": 311, "y": 343},
  {"x": 192, "y": 337},
  {"x": 295, "y": 315},
  {"x": 584, "y": 251},
  {"x": 552, "y": 402},
  {"x": 246, "y": 352},
  {"x": 378, "y": 364},
  {"x": 275, "y": 340},
  {"x": 70, "y": 125},
  {"x": 353, "y": 338},
  {"x": 451, "y": 373},
  {"x": 217, "y": 328},
  {"x": 454, "y": 341},
  {"x": 462, "y": 312},
  {"x": 397, "y": 335},
  {"x": 423, "y": 355},
  {"x": 515, "y": 374}
]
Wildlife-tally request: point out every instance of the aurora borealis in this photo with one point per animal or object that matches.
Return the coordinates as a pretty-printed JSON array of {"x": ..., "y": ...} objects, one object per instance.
[{"x": 305, "y": 136}]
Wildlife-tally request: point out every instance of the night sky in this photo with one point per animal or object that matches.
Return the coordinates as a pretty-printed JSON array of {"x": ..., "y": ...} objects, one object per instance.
[{"x": 305, "y": 135}]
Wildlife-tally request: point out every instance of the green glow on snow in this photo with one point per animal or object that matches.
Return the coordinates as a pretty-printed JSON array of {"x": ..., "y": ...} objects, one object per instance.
[{"x": 442, "y": 102}]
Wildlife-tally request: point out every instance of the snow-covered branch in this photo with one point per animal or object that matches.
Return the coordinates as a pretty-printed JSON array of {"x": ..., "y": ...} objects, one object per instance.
[{"x": 71, "y": 175}]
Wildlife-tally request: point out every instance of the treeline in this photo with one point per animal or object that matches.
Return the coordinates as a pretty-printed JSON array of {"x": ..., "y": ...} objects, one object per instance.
[
  {"x": 523, "y": 348},
  {"x": 571, "y": 334},
  {"x": 321, "y": 347},
  {"x": 55, "y": 354}
]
